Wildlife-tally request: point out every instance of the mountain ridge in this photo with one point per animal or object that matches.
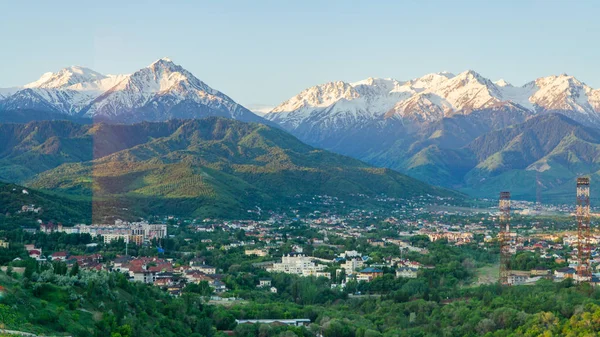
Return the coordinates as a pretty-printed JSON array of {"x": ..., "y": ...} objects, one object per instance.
[
  {"x": 160, "y": 91},
  {"x": 212, "y": 166},
  {"x": 436, "y": 96}
]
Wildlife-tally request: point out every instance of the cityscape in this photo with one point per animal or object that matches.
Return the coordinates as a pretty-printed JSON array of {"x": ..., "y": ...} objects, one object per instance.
[{"x": 300, "y": 169}]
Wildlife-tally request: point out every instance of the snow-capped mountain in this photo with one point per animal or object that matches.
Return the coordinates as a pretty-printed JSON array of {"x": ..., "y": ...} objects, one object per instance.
[
  {"x": 441, "y": 128},
  {"x": 341, "y": 105},
  {"x": 66, "y": 77},
  {"x": 161, "y": 91}
]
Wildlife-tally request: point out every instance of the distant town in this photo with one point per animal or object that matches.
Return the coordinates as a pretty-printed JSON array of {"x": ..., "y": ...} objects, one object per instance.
[{"x": 315, "y": 244}]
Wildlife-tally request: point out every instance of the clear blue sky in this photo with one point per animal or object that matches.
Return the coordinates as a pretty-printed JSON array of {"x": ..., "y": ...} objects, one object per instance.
[{"x": 267, "y": 51}]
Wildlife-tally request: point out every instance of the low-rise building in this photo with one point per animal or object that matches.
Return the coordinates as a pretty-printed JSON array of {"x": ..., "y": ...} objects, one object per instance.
[
  {"x": 204, "y": 268},
  {"x": 144, "y": 276},
  {"x": 59, "y": 256},
  {"x": 368, "y": 274},
  {"x": 407, "y": 272},
  {"x": 264, "y": 282},
  {"x": 540, "y": 271},
  {"x": 566, "y": 272},
  {"x": 256, "y": 252}
]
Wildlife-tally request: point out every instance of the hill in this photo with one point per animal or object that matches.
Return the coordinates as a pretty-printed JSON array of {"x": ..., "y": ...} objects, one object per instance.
[
  {"x": 211, "y": 167},
  {"x": 53, "y": 207},
  {"x": 547, "y": 152},
  {"x": 89, "y": 303}
]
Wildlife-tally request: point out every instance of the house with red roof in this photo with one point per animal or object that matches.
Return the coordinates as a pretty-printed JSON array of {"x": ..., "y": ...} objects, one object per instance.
[
  {"x": 35, "y": 253},
  {"x": 59, "y": 256}
]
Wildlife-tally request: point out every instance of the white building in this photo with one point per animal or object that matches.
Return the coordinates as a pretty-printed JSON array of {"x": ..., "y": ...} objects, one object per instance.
[
  {"x": 349, "y": 254},
  {"x": 121, "y": 230},
  {"x": 298, "y": 264}
]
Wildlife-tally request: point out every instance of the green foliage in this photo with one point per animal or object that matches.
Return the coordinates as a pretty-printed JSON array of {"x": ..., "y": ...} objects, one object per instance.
[{"x": 101, "y": 304}]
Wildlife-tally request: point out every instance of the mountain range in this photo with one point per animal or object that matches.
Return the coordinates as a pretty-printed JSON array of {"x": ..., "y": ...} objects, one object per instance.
[
  {"x": 431, "y": 128},
  {"x": 211, "y": 167},
  {"x": 159, "y": 92}
]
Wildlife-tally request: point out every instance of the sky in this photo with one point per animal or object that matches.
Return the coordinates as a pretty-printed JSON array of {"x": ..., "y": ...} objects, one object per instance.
[{"x": 264, "y": 52}]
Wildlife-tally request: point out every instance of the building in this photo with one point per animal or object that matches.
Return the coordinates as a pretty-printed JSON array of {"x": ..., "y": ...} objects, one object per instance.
[
  {"x": 459, "y": 237},
  {"x": 540, "y": 271},
  {"x": 313, "y": 272},
  {"x": 566, "y": 272},
  {"x": 298, "y": 264},
  {"x": 517, "y": 278},
  {"x": 218, "y": 286},
  {"x": 256, "y": 252},
  {"x": 203, "y": 268},
  {"x": 35, "y": 253},
  {"x": 264, "y": 282},
  {"x": 49, "y": 227},
  {"x": 132, "y": 232},
  {"x": 108, "y": 238},
  {"x": 407, "y": 272},
  {"x": 350, "y": 266},
  {"x": 292, "y": 322},
  {"x": 144, "y": 276},
  {"x": 368, "y": 274},
  {"x": 4, "y": 243},
  {"x": 59, "y": 256},
  {"x": 349, "y": 254}
]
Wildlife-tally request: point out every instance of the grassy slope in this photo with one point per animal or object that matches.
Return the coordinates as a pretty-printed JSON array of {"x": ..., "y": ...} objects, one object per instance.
[{"x": 54, "y": 207}]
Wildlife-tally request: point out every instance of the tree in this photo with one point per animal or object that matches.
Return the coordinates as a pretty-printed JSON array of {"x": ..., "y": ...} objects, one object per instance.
[{"x": 74, "y": 269}]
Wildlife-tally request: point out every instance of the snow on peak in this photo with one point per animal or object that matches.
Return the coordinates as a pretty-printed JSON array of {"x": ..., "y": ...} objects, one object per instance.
[
  {"x": 340, "y": 104},
  {"x": 165, "y": 61},
  {"x": 66, "y": 77},
  {"x": 427, "y": 98},
  {"x": 502, "y": 83},
  {"x": 430, "y": 80},
  {"x": 163, "y": 85},
  {"x": 163, "y": 89},
  {"x": 564, "y": 92}
]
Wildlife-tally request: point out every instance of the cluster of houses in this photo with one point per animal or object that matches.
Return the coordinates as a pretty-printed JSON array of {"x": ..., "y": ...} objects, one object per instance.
[
  {"x": 352, "y": 265},
  {"x": 152, "y": 270},
  {"x": 134, "y": 232}
]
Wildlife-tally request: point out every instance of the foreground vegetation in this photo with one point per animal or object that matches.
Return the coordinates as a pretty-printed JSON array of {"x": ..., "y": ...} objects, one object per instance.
[{"x": 52, "y": 298}]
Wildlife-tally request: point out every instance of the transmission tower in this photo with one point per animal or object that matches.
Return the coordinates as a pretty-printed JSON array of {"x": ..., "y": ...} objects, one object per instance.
[
  {"x": 504, "y": 236},
  {"x": 583, "y": 229}
]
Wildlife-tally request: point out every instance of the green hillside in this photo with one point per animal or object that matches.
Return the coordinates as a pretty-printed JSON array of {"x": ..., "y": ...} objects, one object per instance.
[
  {"x": 211, "y": 167},
  {"x": 53, "y": 207},
  {"x": 547, "y": 152},
  {"x": 56, "y": 300},
  {"x": 483, "y": 157}
]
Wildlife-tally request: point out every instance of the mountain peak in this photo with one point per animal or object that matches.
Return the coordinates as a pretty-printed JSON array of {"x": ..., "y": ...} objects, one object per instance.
[
  {"x": 161, "y": 60},
  {"x": 472, "y": 74},
  {"x": 502, "y": 83},
  {"x": 66, "y": 77}
]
